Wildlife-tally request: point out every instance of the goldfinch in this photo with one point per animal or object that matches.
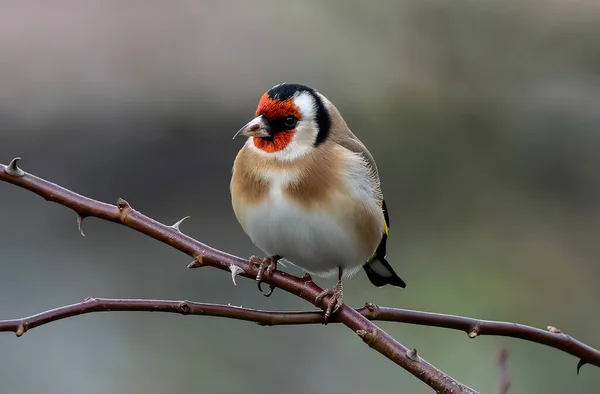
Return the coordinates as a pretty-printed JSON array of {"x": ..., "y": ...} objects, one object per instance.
[{"x": 307, "y": 191}]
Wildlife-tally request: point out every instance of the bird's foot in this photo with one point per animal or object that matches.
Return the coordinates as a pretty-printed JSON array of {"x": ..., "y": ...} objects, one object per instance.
[
  {"x": 265, "y": 266},
  {"x": 335, "y": 301}
]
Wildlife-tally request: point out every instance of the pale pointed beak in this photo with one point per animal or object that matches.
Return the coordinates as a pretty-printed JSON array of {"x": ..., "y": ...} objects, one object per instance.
[{"x": 257, "y": 127}]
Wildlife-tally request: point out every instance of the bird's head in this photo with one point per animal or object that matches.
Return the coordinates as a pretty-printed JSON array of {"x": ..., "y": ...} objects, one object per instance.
[{"x": 291, "y": 120}]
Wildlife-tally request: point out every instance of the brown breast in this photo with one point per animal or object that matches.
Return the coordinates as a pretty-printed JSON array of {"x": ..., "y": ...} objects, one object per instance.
[{"x": 318, "y": 181}]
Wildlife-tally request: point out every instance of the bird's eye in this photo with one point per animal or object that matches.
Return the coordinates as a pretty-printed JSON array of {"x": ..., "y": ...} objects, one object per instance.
[{"x": 290, "y": 121}]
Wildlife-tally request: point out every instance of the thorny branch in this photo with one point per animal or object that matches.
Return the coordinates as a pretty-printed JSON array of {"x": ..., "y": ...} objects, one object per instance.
[
  {"x": 203, "y": 255},
  {"x": 89, "y": 305},
  {"x": 373, "y": 312}
]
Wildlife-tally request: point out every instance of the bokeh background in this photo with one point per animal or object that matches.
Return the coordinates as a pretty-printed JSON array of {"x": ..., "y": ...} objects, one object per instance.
[{"x": 484, "y": 118}]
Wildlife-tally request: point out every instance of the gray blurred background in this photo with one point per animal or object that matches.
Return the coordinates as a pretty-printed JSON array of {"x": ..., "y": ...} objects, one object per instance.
[{"x": 482, "y": 115}]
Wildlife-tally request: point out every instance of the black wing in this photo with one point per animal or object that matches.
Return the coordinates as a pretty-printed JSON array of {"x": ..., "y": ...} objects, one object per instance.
[{"x": 379, "y": 271}]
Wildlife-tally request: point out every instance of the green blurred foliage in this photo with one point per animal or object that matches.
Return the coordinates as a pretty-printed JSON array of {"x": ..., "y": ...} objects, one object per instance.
[{"x": 483, "y": 118}]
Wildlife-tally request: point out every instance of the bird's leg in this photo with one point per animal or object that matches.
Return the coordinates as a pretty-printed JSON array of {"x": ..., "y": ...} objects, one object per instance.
[
  {"x": 336, "y": 297},
  {"x": 265, "y": 266}
]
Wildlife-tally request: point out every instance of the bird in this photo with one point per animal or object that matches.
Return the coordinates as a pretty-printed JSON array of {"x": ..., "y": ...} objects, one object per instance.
[{"x": 307, "y": 192}]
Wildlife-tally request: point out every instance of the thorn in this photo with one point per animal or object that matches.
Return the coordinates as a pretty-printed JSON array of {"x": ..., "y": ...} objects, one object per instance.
[
  {"x": 473, "y": 333},
  {"x": 122, "y": 204},
  {"x": 580, "y": 364},
  {"x": 413, "y": 355},
  {"x": 176, "y": 225},
  {"x": 235, "y": 270},
  {"x": 196, "y": 263},
  {"x": 124, "y": 209},
  {"x": 80, "y": 223},
  {"x": 193, "y": 264},
  {"x": 13, "y": 169},
  {"x": 20, "y": 330},
  {"x": 271, "y": 289},
  {"x": 554, "y": 330}
]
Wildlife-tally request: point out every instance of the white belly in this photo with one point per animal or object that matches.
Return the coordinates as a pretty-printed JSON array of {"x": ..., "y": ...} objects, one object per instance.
[
  {"x": 312, "y": 240},
  {"x": 320, "y": 238}
]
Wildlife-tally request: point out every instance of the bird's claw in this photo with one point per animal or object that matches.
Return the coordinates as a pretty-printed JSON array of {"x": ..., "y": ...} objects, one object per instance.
[
  {"x": 266, "y": 266},
  {"x": 335, "y": 301}
]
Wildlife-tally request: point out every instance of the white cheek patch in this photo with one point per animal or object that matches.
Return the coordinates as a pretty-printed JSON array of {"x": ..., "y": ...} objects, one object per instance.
[
  {"x": 307, "y": 129},
  {"x": 306, "y": 103}
]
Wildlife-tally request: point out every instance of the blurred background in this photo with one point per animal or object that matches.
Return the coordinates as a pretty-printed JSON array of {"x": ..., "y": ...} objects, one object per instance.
[{"x": 483, "y": 117}]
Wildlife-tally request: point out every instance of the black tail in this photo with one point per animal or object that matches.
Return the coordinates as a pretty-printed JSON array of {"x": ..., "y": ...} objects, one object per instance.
[{"x": 381, "y": 273}]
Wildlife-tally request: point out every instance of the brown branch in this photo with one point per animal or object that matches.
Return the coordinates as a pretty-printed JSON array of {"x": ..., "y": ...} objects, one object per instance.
[
  {"x": 473, "y": 327},
  {"x": 90, "y": 305},
  {"x": 505, "y": 381},
  {"x": 204, "y": 255}
]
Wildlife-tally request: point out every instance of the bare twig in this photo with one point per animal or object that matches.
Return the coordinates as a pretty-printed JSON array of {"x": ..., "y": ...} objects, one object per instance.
[
  {"x": 204, "y": 255},
  {"x": 89, "y": 305},
  {"x": 505, "y": 381},
  {"x": 474, "y": 328},
  {"x": 274, "y": 318}
]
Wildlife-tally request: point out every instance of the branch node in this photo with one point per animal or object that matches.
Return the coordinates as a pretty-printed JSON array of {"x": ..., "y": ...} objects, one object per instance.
[
  {"x": 473, "y": 333},
  {"x": 413, "y": 355},
  {"x": 176, "y": 225},
  {"x": 368, "y": 337},
  {"x": 124, "y": 209},
  {"x": 235, "y": 270},
  {"x": 80, "y": 224},
  {"x": 196, "y": 263},
  {"x": 13, "y": 169},
  {"x": 373, "y": 310},
  {"x": 554, "y": 330},
  {"x": 184, "y": 307},
  {"x": 20, "y": 330}
]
